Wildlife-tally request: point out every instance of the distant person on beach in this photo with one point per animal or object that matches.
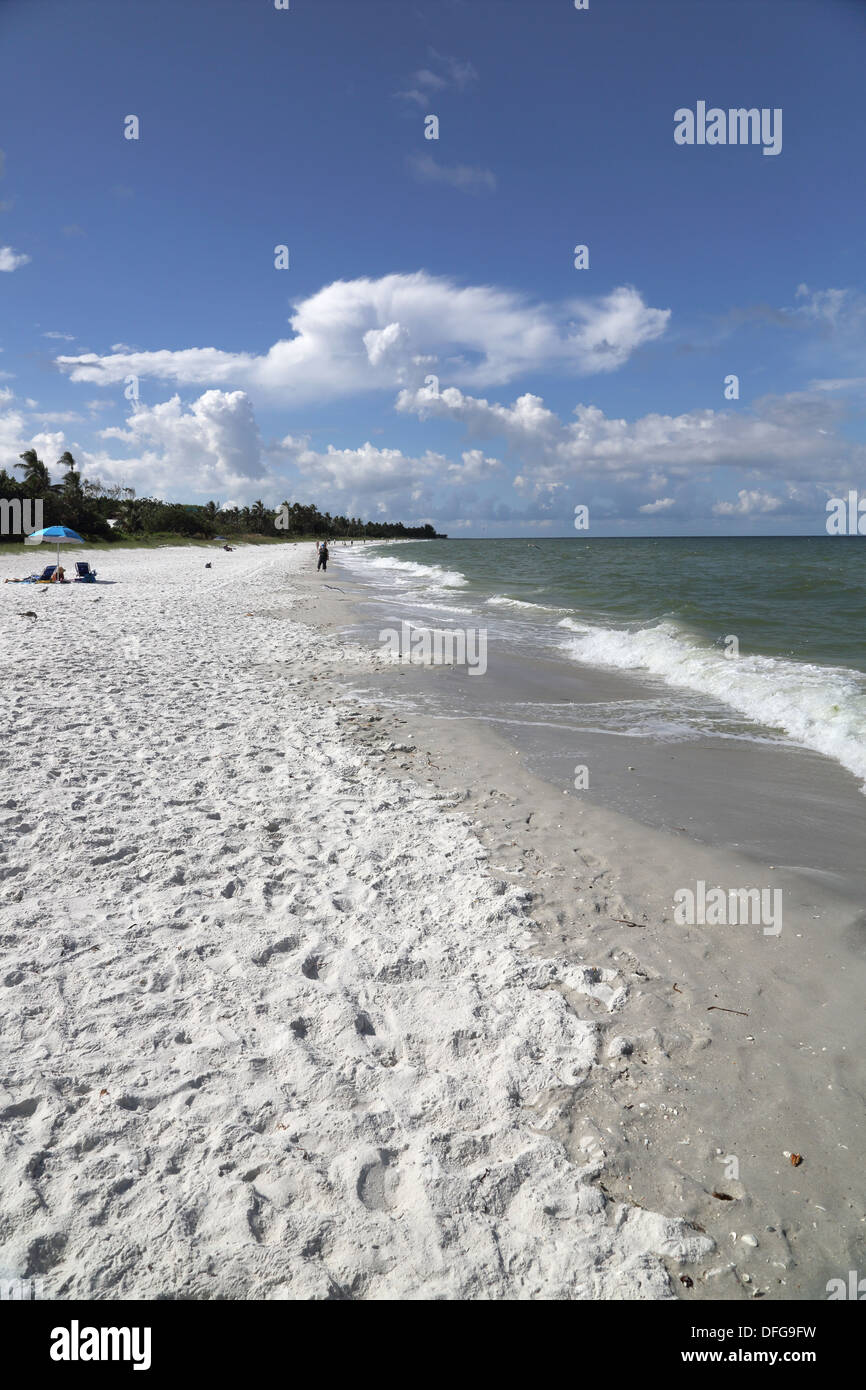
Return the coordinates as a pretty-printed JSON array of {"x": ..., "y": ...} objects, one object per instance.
[{"x": 323, "y": 557}]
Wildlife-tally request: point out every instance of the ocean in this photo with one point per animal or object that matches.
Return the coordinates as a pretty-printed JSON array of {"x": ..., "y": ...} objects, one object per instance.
[{"x": 753, "y": 639}]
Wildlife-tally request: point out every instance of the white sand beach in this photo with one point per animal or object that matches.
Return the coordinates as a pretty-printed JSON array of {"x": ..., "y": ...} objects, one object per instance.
[{"x": 272, "y": 1028}]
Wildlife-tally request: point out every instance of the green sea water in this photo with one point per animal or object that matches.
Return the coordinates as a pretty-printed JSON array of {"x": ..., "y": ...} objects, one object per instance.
[{"x": 769, "y": 627}]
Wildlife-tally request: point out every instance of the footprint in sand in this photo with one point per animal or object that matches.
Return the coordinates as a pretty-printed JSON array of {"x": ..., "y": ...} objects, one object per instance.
[{"x": 376, "y": 1186}]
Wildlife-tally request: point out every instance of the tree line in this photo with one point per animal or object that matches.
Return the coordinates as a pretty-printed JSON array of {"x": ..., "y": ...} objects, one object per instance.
[{"x": 88, "y": 505}]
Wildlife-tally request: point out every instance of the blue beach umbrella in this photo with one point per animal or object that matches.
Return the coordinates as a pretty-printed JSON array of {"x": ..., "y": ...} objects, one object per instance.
[{"x": 61, "y": 534}]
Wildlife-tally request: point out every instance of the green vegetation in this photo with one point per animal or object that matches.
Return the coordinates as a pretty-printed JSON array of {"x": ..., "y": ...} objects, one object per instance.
[{"x": 88, "y": 506}]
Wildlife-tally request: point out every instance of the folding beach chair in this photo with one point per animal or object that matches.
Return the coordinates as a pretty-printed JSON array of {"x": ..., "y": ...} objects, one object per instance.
[
  {"x": 83, "y": 573},
  {"x": 44, "y": 578}
]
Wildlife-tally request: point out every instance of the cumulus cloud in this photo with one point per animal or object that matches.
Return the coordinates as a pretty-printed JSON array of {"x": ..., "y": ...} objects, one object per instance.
[
  {"x": 14, "y": 433},
  {"x": 373, "y": 471},
  {"x": 783, "y": 456},
  {"x": 367, "y": 469},
  {"x": 213, "y": 446},
  {"x": 364, "y": 335},
  {"x": 22, "y": 429},
  {"x": 661, "y": 504},
  {"x": 791, "y": 439},
  {"x": 11, "y": 260},
  {"x": 748, "y": 503},
  {"x": 382, "y": 342}
]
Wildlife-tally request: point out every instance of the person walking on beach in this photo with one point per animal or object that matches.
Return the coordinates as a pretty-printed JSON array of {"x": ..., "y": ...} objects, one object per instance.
[{"x": 323, "y": 557}]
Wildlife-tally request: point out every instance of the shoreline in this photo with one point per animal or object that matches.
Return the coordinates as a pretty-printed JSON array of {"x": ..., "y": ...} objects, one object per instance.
[
  {"x": 811, "y": 978},
  {"x": 295, "y": 1034}
]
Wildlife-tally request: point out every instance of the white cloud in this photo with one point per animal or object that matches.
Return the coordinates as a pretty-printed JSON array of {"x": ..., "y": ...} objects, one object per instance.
[
  {"x": 363, "y": 335},
  {"x": 831, "y": 306},
  {"x": 421, "y": 99},
  {"x": 450, "y": 72},
  {"x": 430, "y": 80},
  {"x": 13, "y": 434},
  {"x": 20, "y": 431},
  {"x": 211, "y": 447},
  {"x": 379, "y": 342},
  {"x": 372, "y": 470},
  {"x": 466, "y": 176},
  {"x": 426, "y": 83},
  {"x": 476, "y": 467},
  {"x": 840, "y": 319},
  {"x": 11, "y": 260},
  {"x": 846, "y": 383},
  {"x": 661, "y": 504},
  {"x": 367, "y": 469},
  {"x": 66, "y": 337},
  {"x": 789, "y": 437},
  {"x": 748, "y": 503},
  {"x": 49, "y": 444},
  {"x": 654, "y": 466},
  {"x": 459, "y": 71}
]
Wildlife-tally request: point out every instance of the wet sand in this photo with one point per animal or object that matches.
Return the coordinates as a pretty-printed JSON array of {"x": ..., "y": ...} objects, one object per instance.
[{"x": 749, "y": 1045}]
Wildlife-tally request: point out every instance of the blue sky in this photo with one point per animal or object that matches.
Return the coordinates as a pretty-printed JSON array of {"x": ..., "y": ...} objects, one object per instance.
[{"x": 453, "y": 259}]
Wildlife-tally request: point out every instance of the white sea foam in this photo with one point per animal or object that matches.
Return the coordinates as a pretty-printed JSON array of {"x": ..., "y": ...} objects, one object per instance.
[
  {"x": 821, "y": 707},
  {"x": 503, "y": 601},
  {"x": 433, "y": 575},
  {"x": 448, "y": 608}
]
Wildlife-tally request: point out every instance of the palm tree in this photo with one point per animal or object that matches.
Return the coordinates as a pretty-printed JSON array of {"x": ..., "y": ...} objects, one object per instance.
[
  {"x": 71, "y": 479},
  {"x": 36, "y": 476}
]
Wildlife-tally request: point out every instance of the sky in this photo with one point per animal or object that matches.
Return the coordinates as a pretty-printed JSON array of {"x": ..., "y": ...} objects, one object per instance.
[{"x": 426, "y": 348}]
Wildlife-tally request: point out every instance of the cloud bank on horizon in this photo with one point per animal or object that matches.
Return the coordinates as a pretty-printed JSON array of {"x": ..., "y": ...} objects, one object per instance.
[{"x": 366, "y": 337}]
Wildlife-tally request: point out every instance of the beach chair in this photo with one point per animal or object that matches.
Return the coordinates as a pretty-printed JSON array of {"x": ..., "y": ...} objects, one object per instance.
[
  {"x": 44, "y": 578},
  {"x": 83, "y": 573}
]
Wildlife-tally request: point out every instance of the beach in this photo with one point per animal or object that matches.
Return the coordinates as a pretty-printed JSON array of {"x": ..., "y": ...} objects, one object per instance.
[{"x": 310, "y": 995}]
